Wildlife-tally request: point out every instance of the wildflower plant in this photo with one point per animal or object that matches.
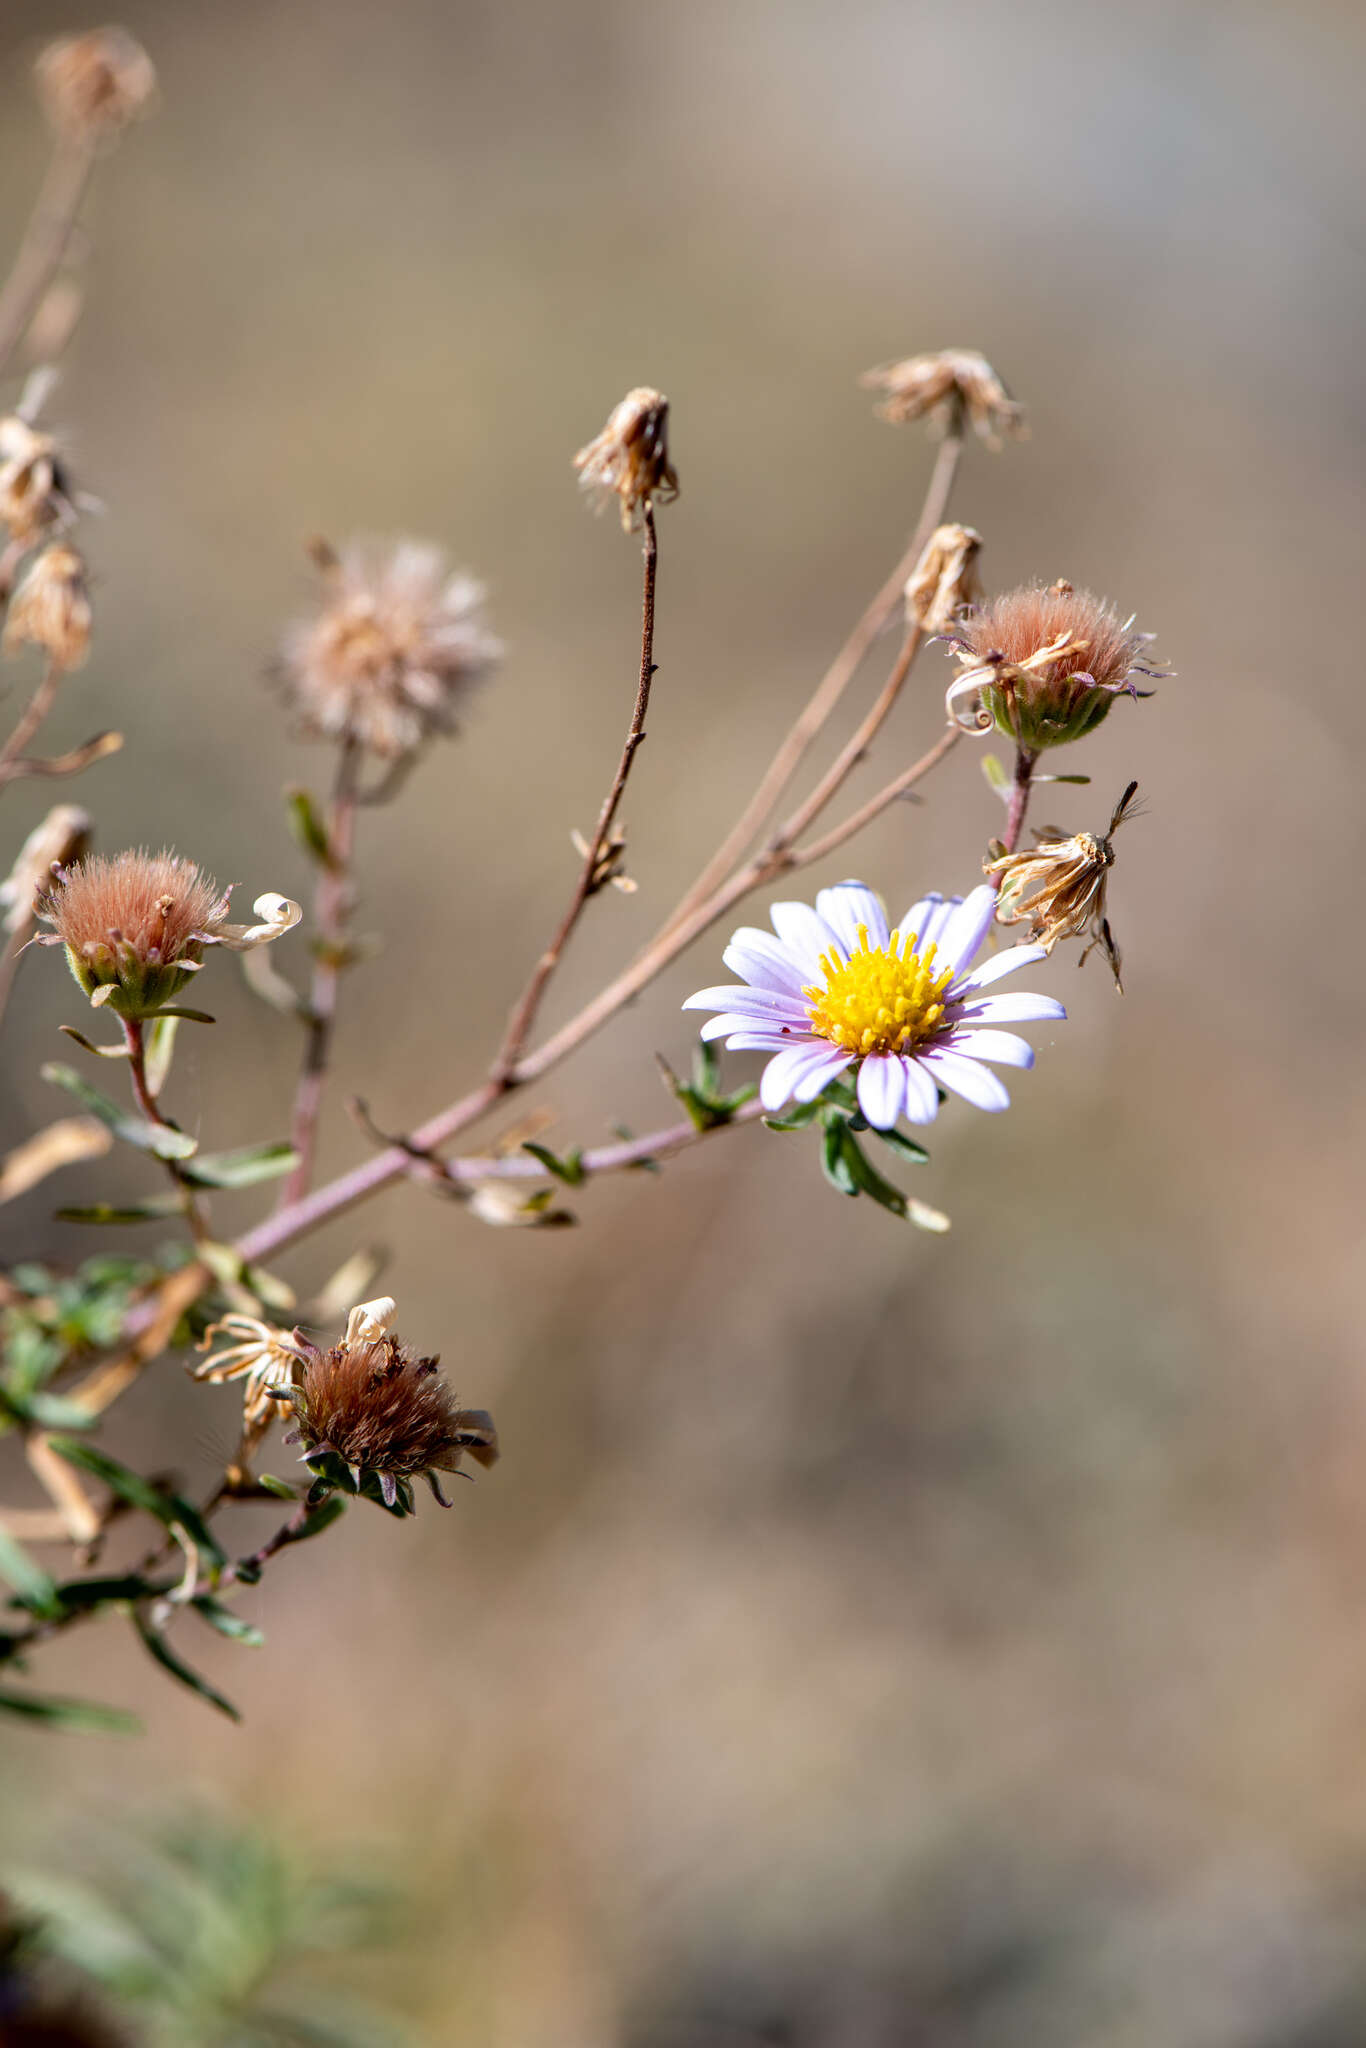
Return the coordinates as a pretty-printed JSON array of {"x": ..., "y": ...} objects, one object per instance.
[{"x": 864, "y": 1029}]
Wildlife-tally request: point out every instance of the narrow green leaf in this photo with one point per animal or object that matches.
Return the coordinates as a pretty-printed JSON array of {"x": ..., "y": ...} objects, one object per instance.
[
  {"x": 158, "y": 1647},
  {"x": 834, "y": 1165},
  {"x": 995, "y": 774},
  {"x": 86, "y": 1715},
  {"x": 77, "y": 1594},
  {"x": 569, "y": 1169},
  {"x": 242, "y": 1168},
  {"x": 102, "y": 1052},
  {"x": 226, "y": 1622},
  {"x": 149, "y": 1210},
  {"x": 170, "y": 1509},
  {"x": 46, "y": 1411},
  {"x": 279, "y": 1487},
  {"x": 866, "y": 1178},
  {"x": 161, "y": 1050},
  {"x": 797, "y": 1118},
  {"x": 33, "y": 1587},
  {"x": 1061, "y": 778},
  {"x": 907, "y": 1147},
  {"x": 134, "y": 1130},
  {"x": 307, "y": 826}
]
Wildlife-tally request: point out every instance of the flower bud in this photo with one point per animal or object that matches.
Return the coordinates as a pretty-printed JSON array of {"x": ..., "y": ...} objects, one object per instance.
[
  {"x": 135, "y": 927},
  {"x": 93, "y": 85},
  {"x": 943, "y": 387},
  {"x": 51, "y": 608},
  {"x": 1044, "y": 665},
  {"x": 944, "y": 581},
  {"x": 629, "y": 459}
]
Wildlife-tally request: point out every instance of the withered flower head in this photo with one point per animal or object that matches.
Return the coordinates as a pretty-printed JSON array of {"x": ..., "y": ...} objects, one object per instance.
[
  {"x": 33, "y": 488},
  {"x": 942, "y": 387},
  {"x": 61, "y": 838},
  {"x": 372, "y": 1416},
  {"x": 135, "y": 927},
  {"x": 51, "y": 608},
  {"x": 1059, "y": 888},
  {"x": 629, "y": 459},
  {"x": 944, "y": 581},
  {"x": 394, "y": 651},
  {"x": 1044, "y": 664},
  {"x": 92, "y": 85}
]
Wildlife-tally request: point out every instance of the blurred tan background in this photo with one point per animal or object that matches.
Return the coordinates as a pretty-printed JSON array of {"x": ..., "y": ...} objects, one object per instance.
[{"x": 869, "y": 1640}]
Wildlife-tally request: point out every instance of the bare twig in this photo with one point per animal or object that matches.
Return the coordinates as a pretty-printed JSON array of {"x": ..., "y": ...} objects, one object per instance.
[
  {"x": 35, "y": 711},
  {"x": 1019, "y": 799},
  {"x": 65, "y": 764},
  {"x": 333, "y": 907},
  {"x": 45, "y": 242}
]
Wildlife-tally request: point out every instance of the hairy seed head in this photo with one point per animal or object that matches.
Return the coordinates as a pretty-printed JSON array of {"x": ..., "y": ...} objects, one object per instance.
[
  {"x": 93, "y": 85},
  {"x": 1044, "y": 664},
  {"x": 942, "y": 388},
  {"x": 384, "y": 1410}
]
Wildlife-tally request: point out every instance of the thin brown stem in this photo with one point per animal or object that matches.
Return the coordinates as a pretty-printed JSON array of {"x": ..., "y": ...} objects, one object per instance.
[
  {"x": 1025, "y": 761},
  {"x": 332, "y": 910},
  {"x": 34, "y": 713},
  {"x": 898, "y": 787},
  {"x": 45, "y": 242},
  {"x": 524, "y": 1012},
  {"x": 832, "y": 686}
]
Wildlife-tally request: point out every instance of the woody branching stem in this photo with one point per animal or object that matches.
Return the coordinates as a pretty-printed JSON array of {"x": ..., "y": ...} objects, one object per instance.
[
  {"x": 503, "y": 1072},
  {"x": 333, "y": 907},
  {"x": 833, "y": 684},
  {"x": 45, "y": 241}
]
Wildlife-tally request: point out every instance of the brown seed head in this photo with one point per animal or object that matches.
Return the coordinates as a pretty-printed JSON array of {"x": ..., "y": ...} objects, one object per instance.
[
  {"x": 134, "y": 926},
  {"x": 61, "y": 838},
  {"x": 394, "y": 651},
  {"x": 93, "y": 85},
  {"x": 629, "y": 459},
  {"x": 1059, "y": 886},
  {"x": 33, "y": 493},
  {"x": 51, "y": 608},
  {"x": 942, "y": 387},
  {"x": 383, "y": 1410},
  {"x": 945, "y": 580},
  {"x": 1044, "y": 664}
]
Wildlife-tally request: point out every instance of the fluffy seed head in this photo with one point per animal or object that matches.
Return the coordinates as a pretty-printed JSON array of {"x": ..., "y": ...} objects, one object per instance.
[
  {"x": 944, "y": 581},
  {"x": 394, "y": 650},
  {"x": 942, "y": 387},
  {"x": 134, "y": 926},
  {"x": 629, "y": 459},
  {"x": 51, "y": 608},
  {"x": 1044, "y": 664},
  {"x": 93, "y": 85}
]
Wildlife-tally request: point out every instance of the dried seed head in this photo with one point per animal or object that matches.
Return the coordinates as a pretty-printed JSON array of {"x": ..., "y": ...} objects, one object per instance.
[
  {"x": 51, "y": 608},
  {"x": 1044, "y": 665},
  {"x": 1059, "y": 888},
  {"x": 944, "y": 581},
  {"x": 135, "y": 927},
  {"x": 629, "y": 459},
  {"x": 385, "y": 1414},
  {"x": 942, "y": 387},
  {"x": 61, "y": 838},
  {"x": 394, "y": 651},
  {"x": 93, "y": 85},
  {"x": 33, "y": 490}
]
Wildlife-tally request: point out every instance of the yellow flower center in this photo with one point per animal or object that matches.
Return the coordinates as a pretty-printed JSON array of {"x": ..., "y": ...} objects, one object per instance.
[{"x": 883, "y": 999}]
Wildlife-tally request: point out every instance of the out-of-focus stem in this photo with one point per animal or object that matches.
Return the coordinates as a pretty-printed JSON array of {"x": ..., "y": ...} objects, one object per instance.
[
  {"x": 34, "y": 713},
  {"x": 45, "y": 242},
  {"x": 332, "y": 910}
]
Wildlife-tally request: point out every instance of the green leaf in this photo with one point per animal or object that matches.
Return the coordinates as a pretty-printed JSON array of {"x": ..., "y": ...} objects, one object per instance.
[
  {"x": 158, "y": 1647},
  {"x": 161, "y": 1049},
  {"x": 995, "y": 774},
  {"x": 173, "y": 1512},
  {"x": 151, "y": 1209},
  {"x": 866, "y": 1178},
  {"x": 226, "y": 1622},
  {"x": 78, "y": 1594},
  {"x": 899, "y": 1142},
  {"x": 1061, "y": 778},
  {"x": 834, "y": 1164},
  {"x": 328, "y": 1510},
  {"x": 307, "y": 826},
  {"x": 33, "y": 1587},
  {"x": 134, "y": 1130},
  {"x": 45, "y": 1411},
  {"x": 244, "y": 1167},
  {"x": 797, "y": 1118},
  {"x": 102, "y": 1052},
  {"x": 569, "y": 1169},
  {"x": 85, "y": 1715},
  {"x": 279, "y": 1487}
]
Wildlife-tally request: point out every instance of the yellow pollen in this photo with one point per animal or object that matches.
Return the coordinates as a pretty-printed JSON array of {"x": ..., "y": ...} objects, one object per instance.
[{"x": 883, "y": 999}]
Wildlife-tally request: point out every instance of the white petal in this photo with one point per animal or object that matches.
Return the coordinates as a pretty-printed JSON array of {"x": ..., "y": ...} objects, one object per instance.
[
  {"x": 805, "y": 936},
  {"x": 920, "y": 915},
  {"x": 966, "y": 929},
  {"x": 849, "y": 905},
  {"x": 758, "y": 958},
  {"x": 748, "y": 1040},
  {"x": 1002, "y": 963},
  {"x": 1019, "y": 1009},
  {"x": 786, "y": 1069},
  {"x": 922, "y": 1097},
  {"x": 882, "y": 1089},
  {"x": 977, "y": 1085},
  {"x": 820, "y": 1073},
  {"x": 748, "y": 1002},
  {"x": 1001, "y": 1046}
]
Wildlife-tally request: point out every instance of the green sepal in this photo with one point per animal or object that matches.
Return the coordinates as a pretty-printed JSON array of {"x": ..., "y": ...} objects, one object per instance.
[
  {"x": 569, "y": 1169},
  {"x": 86, "y": 1715},
  {"x": 160, "y": 1139},
  {"x": 307, "y": 827},
  {"x": 226, "y": 1622},
  {"x": 158, "y": 1647},
  {"x": 170, "y": 1509},
  {"x": 244, "y": 1167}
]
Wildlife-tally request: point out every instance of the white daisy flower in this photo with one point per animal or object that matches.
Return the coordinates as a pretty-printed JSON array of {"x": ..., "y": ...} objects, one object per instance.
[{"x": 832, "y": 987}]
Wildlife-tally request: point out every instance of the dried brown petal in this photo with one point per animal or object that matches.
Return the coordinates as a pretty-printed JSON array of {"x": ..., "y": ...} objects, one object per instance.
[
  {"x": 944, "y": 581},
  {"x": 51, "y": 608},
  {"x": 629, "y": 459},
  {"x": 942, "y": 387}
]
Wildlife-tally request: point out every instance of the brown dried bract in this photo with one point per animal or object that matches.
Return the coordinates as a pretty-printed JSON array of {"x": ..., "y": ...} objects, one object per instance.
[
  {"x": 629, "y": 459},
  {"x": 92, "y": 85},
  {"x": 1059, "y": 887},
  {"x": 51, "y": 608},
  {"x": 944, "y": 581},
  {"x": 394, "y": 651},
  {"x": 942, "y": 387},
  {"x": 383, "y": 1410}
]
